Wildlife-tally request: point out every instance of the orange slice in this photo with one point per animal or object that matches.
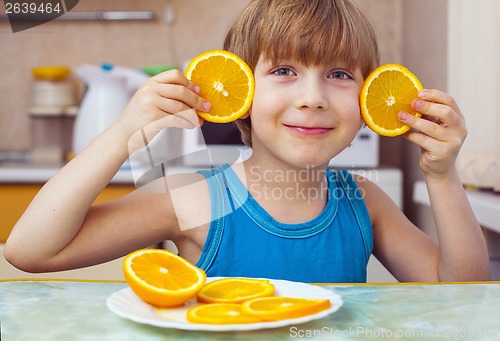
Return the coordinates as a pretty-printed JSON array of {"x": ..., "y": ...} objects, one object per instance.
[
  {"x": 387, "y": 90},
  {"x": 162, "y": 278},
  {"x": 281, "y": 308},
  {"x": 234, "y": 290},
  {"x": 226, "y": 81},
  {"x": 219, "y": 313}
]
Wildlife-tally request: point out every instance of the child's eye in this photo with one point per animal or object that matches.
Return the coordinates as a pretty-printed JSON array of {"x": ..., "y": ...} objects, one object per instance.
[
  {"x": 283, "y": 71},
  {"x": 340, "y": 75}
]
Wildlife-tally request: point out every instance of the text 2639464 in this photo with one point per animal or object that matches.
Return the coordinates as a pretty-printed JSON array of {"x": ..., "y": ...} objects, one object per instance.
[{"x": 32, "y": 8}]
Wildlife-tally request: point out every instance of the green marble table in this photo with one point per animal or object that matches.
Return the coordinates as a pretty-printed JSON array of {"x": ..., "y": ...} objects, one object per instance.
[{"x": 68, "y": 310}]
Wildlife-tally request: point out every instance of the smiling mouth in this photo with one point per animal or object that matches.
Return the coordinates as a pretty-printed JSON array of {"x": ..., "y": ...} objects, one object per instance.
[{"x": 308, "y": 130}]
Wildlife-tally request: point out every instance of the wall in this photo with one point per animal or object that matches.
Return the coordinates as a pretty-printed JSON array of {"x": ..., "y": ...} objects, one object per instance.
[
  {"x": 387, "y": 19},
  {"x": 425, "y": 53},
  {"x": 131, "y": 44},
  {"x": 199, "y": 25}
]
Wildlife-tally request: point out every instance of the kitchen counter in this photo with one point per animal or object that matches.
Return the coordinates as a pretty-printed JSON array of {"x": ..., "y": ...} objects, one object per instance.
[
  {"x": 40, "y": 173},
  {"x": 70, "y": 310},
  {"x": 28, "y": 173},
  {"x": 485, "y": 204},
  {"x": 389, "y": 179},
  {"x": 20, "y": 182}
]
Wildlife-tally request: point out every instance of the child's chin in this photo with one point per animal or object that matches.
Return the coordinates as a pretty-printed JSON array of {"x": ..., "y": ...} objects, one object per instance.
[{"x": 310, "y": 162}]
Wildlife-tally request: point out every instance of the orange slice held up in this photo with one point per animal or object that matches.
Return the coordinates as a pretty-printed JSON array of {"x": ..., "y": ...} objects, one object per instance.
[
  {"x": 387, "y": 90},
  {"x": 226, "y": 81},
  {"x": 162, "y": 278}
]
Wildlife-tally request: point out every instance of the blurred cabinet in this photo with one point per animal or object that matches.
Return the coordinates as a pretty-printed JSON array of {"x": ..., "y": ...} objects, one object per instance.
[{"x": 15, "y": 198}]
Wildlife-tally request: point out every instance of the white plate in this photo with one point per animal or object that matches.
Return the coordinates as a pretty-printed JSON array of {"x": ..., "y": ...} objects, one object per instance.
[{"x": 126, "y": 304}]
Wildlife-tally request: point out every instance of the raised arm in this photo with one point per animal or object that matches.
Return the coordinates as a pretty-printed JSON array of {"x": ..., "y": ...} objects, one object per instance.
[
  {"x": 61, "y": 230},
  {"x": 463, "y": 254}
]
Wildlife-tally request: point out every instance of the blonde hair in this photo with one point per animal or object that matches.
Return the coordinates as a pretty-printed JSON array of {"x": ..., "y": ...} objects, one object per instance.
[{"x": 312, "y": 32}]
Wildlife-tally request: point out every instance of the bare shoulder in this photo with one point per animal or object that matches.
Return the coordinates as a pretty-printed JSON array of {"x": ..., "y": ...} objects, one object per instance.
[
  {"x": 380, "y": 206},
  {"x": 372, "y": 193}
]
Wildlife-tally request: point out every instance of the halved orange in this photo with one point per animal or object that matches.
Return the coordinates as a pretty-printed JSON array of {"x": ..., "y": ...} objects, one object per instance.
[
  {"x": 226, "y": 81},
  {"x": 387, "y": 90},
  {"x": 162, "y": 278},
  {"x": 281, "y": 308},
  {"x": 219, "y": 313},
  {"x": 234, "y": 290}
]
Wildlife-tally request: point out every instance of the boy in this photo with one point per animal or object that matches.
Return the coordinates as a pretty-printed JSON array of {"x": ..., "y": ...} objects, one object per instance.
[{"x": 309, "y": 59}]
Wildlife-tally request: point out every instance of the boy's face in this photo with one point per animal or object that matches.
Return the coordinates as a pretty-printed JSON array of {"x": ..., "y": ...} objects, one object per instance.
[{"x": 304, "y": 115}]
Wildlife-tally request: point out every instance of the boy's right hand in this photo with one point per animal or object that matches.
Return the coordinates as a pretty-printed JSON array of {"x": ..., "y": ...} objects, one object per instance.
[{"x": 166, "y": 100}]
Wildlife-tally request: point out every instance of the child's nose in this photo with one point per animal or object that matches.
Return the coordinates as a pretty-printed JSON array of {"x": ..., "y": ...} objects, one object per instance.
[{"x": 312, "y": 94}]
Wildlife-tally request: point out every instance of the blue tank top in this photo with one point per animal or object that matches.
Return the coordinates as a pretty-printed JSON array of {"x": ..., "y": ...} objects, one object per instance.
[{"x": 245, "y": 241}]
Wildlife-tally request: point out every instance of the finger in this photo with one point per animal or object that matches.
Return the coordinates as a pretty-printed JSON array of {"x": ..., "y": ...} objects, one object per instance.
[
  {"x": 422, "y": 140},
  {"x": 184, "y": 95},
  {"x": 173, "y": 84},
  {"x": 432, "y": 119},
  {"x": 176, "y": 77},
  {"x": 437, "y": 111},
  {"x": 423, "y": 125},
  {"x": 173, "y": 76},
  {"x": 173, "y": 107},
  {"x": 437, "y": 96}
]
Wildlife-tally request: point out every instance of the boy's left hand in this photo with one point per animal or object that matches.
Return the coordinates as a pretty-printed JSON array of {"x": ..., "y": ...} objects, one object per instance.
[{"x": 440, "y": 132}]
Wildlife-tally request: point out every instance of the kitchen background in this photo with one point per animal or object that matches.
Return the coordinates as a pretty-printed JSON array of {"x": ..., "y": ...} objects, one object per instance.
[{"x": 411, "y": 32}]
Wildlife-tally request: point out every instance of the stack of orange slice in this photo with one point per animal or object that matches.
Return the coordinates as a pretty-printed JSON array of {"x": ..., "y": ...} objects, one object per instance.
[
  {"x": 246, "y": 300},
  {"x": 166, "y": 280}
]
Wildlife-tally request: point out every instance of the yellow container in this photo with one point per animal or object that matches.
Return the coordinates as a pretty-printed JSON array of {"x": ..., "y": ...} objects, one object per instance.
[{"x": 51, "y": 72}]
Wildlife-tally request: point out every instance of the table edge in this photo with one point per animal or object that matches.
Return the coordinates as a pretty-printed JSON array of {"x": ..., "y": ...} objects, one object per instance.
[{"x": 369, "y": 284}]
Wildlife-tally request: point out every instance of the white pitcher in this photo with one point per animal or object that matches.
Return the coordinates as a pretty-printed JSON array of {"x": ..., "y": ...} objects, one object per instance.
[{"x": 108, "y": 90}]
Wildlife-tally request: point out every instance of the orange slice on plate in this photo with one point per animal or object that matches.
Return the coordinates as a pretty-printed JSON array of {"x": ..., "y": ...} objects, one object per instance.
[
  {"x": 234, "y": 290},
  {"x": 226, "y": 81},
  {"x": 219, "y": 313},
  {"x": 161, "y": 278},
  {"x": 281, "y": 308},
  {"x": 387, "y": 90}
]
